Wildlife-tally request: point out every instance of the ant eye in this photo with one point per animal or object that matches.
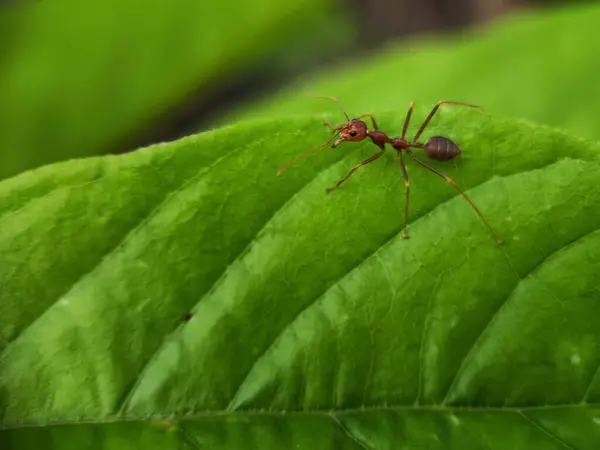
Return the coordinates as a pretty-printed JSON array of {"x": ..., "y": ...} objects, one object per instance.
[{"x": 353, "y": 133}]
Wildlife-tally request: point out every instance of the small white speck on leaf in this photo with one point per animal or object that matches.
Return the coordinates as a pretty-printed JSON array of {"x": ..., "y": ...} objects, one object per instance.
[
  {"x": 64, "y": 302},
  {"x": 575, "y": 359}
]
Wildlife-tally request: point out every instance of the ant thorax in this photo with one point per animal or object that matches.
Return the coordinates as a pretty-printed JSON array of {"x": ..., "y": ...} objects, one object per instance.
[
  {"x": 399, "y": 143},
  {"x": 379, "y": 138}
]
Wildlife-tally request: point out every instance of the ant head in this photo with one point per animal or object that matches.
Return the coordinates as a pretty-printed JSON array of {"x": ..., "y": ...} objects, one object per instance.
[{"x": 354, "y": 130}]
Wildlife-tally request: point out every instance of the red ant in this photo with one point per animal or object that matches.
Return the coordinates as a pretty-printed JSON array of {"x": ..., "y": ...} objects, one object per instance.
[{"x": 437, "y": 148}]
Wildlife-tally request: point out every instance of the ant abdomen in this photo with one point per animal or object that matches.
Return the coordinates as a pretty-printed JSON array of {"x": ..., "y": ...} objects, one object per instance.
[{"x": 440, "y": 148}]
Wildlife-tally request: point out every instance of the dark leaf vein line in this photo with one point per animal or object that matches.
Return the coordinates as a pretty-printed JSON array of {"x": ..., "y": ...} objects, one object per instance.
[
  {"x": 503, "y": 305},
  {"x": 545, "y": 431},
  {"x": 187, "y": 439},
  {"x": 588, "y": 390},
  {"x": 386, "y": 242},
  {"x": 424, "y": 333},
  {"x": 127, "y": 235},
  {"x": 348, "y": 432},
  {"x": 129, "y": 395}
]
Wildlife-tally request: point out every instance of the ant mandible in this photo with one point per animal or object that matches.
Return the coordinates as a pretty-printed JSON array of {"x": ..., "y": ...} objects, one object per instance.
[{"x": 438, "y": 148}]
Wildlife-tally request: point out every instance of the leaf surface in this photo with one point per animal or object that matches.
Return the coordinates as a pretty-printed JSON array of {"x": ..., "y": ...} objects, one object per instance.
[{"x": 185, "y": 297}]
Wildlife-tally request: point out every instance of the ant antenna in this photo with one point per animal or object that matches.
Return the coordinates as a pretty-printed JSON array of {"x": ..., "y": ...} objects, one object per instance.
[
  {"x": 304, "y": 155},
  {"x": 333, "y": 99}
]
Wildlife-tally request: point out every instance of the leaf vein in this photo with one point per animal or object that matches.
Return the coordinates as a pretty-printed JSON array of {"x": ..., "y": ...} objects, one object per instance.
[
  {"x": 122, "y": 242},
  {"x": 424, "y": 335},
  {"x": 503, "y": 306},
  {"x": 545, "y": 431},
  {"x": 348, "y": 432},
  {"x": 129, "y": 395},
  {"x": 387, "y": 241}
]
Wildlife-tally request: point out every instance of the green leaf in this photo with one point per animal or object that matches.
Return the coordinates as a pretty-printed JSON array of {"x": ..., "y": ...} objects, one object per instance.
[
  {"x": 112, "y": 68},
  {"x": 313, "y": 323},
  {"x": 541, "y": 66}
]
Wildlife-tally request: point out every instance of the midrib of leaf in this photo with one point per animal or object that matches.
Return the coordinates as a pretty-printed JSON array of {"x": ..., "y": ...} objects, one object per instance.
[
  {"x": 225, "y": 413},
  {"x": 400, "y": 407},
  {"x": 199, "y": 415}
]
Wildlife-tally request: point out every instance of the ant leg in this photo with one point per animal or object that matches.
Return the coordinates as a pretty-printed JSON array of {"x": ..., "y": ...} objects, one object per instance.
[
  {"x": 407, "y": 186},
  {"x": 434, "y": 110},
  {"x": 407, "y": 119},
  {"x": 375, "y": 127},
  {"x": 466, "y": 197},
  {"x": 358, "y": 166},
  {"x": 310, "y": 152}
]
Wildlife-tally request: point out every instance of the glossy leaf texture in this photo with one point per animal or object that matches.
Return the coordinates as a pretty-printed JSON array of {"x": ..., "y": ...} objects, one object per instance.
[
  {"x": 539, "y": 65},
  {"x": 184, "y": 296}
]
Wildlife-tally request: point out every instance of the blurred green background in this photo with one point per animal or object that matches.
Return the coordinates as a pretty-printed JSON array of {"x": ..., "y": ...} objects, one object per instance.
[{"x": 80, "y": 78}]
